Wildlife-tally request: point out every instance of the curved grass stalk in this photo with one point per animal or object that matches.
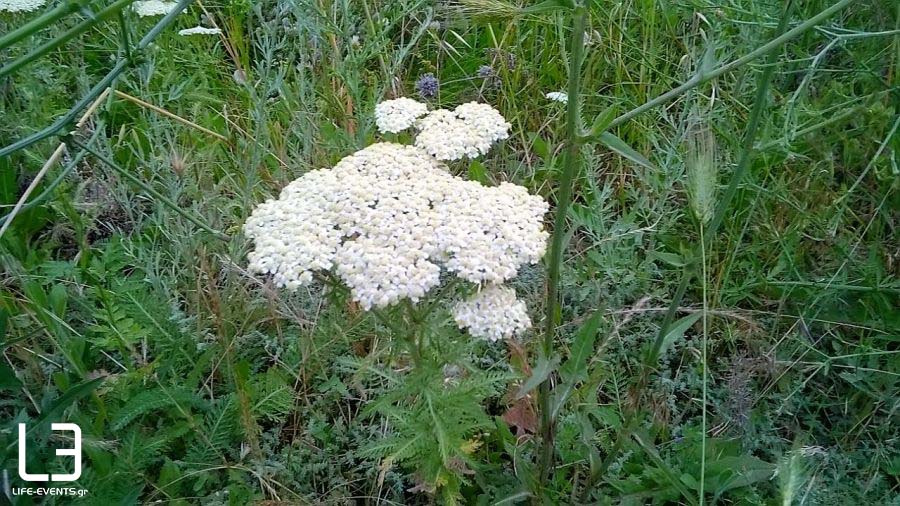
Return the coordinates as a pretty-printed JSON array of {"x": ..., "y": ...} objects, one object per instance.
[{"x": 704, "y": 77}]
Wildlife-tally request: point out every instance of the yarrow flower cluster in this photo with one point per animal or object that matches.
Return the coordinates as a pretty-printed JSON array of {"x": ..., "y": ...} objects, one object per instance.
[
  {"x": 389, "y": 218},
  {"x": 492, "y": 313},
  {"x": 467, "y": 131},
  {"x": 558, "y": 96},
  {"x": 152, "y": 8},
  {"x": 395, "y": 116},
  {"x": 199, "y": 30},
  {"x": 386, "y": 218},
  {"x": 21, "y": 5}
]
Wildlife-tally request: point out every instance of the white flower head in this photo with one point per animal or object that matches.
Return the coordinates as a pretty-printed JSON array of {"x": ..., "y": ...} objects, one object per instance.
[
  {"x": 493, "y": 313},
  {"x": 386, "y": 219},
  {"x": 199, "y": 30},
  {"x": 152, "y": 8},
  {"x": 558, "y": 96},
  {"x": 21, "y": 5},
  {"x": 468, "y": 131},
  {"x": 397, "y": 115}
]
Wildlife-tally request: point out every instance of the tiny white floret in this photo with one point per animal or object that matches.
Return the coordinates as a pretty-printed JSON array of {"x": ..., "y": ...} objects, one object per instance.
[
  {"x": 558, "y": 96},
  {"x": 200, "y": 30},
  {"x": 152, "y": 8}
]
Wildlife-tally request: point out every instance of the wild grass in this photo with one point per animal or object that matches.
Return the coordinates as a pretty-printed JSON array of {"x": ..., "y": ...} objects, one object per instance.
[{"x": 740, "y": 328}]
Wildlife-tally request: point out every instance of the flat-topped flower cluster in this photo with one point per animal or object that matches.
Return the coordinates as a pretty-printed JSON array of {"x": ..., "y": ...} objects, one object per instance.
[
  {"x": 149, "y": 8},
  {"x": 21, "y": 5},
  {"x": 389, "y": 218}
]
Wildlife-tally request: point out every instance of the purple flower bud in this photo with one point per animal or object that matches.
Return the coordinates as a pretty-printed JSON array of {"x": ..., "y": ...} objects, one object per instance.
[{"x": 427, "y": 86}]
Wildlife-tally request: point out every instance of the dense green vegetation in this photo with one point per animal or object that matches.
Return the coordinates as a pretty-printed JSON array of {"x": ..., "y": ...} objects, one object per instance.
[{"x": 196, "y": 381}]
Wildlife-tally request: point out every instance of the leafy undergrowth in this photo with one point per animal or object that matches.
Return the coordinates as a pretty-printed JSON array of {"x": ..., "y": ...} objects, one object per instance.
[{"x": 195, "y": 381}]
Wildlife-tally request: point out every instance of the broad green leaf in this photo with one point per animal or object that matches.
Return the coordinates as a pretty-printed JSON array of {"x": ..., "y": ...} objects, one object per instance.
[
  {"x": 709, "y": 59},
  {"x": 58, "y": 299},
  {"x": 607, "y": 415},
  {"x": 575, "y": 368},
  {"x": 619, "y": 146},
  {"x": 678, "y": 329},
  {"x": 477, "y": 172},
  {"x": 8, "y": 379},
  {"x": 541, "y": 371},
  {"x": 540, "y": 147},
  {"x": 672, "y": 259},
  {"x": 602, "y": 121}
]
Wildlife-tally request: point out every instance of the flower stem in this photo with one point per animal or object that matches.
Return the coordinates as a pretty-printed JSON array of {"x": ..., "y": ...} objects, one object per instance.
[
  {"x": 563, "y": 201},
  {"x": 414, "y": 336},
  {"x": 121, "y": 65}
]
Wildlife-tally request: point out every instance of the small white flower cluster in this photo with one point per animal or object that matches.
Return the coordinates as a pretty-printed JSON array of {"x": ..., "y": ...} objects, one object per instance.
[
  {"x": 492, "y": 313},
  {"x": 199, "y": 30},
  {"x": 397, "y": 115},
  {"x": 558, "y": 96},
  {"x": 467, "y": 131},
  {"x": 21, "y": 5},
  {"x": 150, "y": 8}
]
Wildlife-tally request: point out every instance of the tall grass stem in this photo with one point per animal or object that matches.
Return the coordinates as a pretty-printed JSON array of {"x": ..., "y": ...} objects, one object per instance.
[{"x": 563, "y": 201}]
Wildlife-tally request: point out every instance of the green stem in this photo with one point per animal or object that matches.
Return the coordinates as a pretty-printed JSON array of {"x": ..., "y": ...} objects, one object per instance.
[
  {"x": 705, "y": 370},
  {"x": 414, "y": 337},
  {"x": 563, "y": 201},
  {"x": 149, "y": 189}
]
